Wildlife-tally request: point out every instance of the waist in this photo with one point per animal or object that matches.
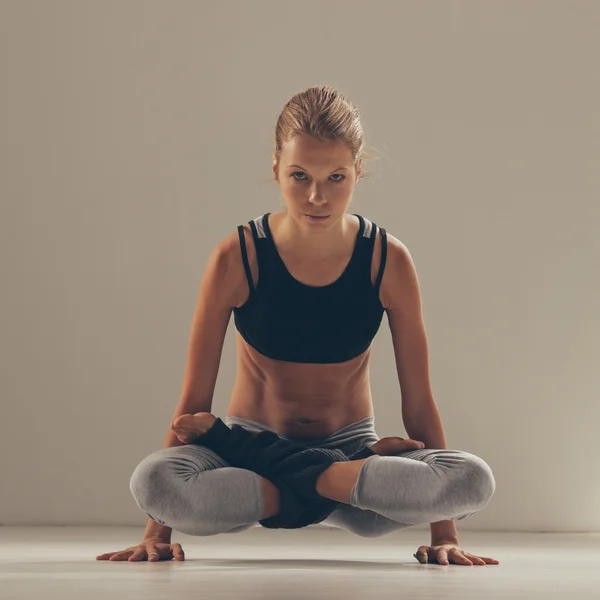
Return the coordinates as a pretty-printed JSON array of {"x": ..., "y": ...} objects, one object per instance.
[
  {"x": 298, "y": 430},
  {"x": 298, "y": 416},
  {"x": 357, "y": 432},
  {"x": 301, "y": 417}
]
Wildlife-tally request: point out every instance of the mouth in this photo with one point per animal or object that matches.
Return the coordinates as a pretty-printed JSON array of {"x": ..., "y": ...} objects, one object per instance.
[{"x": 316, "y": 216}]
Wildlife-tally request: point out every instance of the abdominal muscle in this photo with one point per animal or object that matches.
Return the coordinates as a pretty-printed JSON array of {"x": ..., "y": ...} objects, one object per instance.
[{"x": 300, "y": 400}]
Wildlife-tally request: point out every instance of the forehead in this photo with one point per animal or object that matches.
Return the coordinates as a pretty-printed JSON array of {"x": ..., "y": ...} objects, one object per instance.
[{"x": 310, "y": 150}]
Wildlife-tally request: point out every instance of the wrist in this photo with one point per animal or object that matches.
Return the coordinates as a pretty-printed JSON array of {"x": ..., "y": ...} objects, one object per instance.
[{"x": 444, "y": 541}]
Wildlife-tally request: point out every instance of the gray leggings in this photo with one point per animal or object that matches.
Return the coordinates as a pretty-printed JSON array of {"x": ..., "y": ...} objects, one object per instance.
[{"x": 192, "y": 490}]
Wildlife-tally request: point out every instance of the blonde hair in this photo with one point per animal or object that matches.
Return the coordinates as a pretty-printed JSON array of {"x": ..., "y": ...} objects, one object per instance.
[{"x": 325, "y": 114}]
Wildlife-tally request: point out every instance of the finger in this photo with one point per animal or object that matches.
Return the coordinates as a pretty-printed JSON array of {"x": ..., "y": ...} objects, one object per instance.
[
  {"x": 410, "y": 443},
  {"x": 422, "y": 554},
  {"x": 405, "y": 445},
  {"x": 180, "y": 429},
  {"x": 474, "y": 559},
  {"x": 153, "y": 554},
  {"x": 178, "y": 552},
  {"x": 104, "y": 556},
  {"x": 483, "y": 559},
  {"x": 185, "y": 437},
  {"x": 459, "y": 558},
  {"x": 442, "y": 557},
  {"x": 120, "y": 555},
  {"x": 137, "y": 555},
  {"x": 392, "y": 446},
  {"x": 181, "y": 418}
]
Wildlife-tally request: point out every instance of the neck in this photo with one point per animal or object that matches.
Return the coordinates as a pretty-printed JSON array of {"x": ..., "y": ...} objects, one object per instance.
[{"x": 313, "y": 239}]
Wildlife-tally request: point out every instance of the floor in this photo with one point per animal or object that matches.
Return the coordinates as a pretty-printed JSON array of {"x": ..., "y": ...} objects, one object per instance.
[{"x": 312, "y": 563}]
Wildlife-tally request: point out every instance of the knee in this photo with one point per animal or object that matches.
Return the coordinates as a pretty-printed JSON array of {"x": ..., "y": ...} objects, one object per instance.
[
  {"x": 150, "y": 485},
  {"x": 479, "y": 480},
  {"x": 147, "y": 481}
]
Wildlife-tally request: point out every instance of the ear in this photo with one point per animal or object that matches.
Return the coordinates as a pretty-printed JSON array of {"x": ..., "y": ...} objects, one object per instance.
[
  {"x": 359, "y": 169},
  {"x": 274, "y": 168}
]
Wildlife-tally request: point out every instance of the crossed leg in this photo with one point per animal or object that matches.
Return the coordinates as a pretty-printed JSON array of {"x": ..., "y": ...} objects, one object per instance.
[{"x": 195, "y": 491}]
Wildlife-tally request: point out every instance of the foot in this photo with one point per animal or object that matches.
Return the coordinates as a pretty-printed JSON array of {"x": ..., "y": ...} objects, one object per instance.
[
  {"x": 189, "y": 427},
  {"x": 390, "y": 446}
]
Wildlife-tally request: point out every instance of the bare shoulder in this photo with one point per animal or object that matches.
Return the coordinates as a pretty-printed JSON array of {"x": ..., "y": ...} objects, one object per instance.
[
  {"x": 230, "y": 247},
  {"x": 398, "y": 269}
]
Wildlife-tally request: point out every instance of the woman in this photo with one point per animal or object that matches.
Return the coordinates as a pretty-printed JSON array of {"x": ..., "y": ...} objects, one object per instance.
[{"x": 308, "y": 288}]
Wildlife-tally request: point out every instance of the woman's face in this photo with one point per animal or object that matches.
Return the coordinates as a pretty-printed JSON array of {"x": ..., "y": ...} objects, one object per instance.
[{"x": 311, "y": 179}]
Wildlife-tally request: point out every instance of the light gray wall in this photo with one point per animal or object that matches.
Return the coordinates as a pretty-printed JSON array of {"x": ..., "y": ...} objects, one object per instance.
[{"x": 136, "y": 135}]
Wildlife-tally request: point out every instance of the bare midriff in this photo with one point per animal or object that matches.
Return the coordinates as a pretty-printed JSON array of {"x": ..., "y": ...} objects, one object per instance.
[
  {"x": 303, "y": 400},
  {"x": 300, "y": 400}
]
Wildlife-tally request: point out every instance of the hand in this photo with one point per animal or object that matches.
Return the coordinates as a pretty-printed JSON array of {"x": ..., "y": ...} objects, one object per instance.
[
  {"x": 444, "y": 554},
  {"x": 390, "y": 446},
  {"x": 151, "y": 549},
  {"x": 188, "y": 427}
]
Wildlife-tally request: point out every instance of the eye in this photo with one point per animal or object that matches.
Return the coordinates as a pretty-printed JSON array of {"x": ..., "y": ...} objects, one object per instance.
[{"x": 334, "y": 175}]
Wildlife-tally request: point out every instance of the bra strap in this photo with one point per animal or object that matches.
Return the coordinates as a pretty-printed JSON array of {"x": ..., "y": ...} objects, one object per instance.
[
  {"x": 245, "y": 256},
  {"x": 383, "y": 258}
]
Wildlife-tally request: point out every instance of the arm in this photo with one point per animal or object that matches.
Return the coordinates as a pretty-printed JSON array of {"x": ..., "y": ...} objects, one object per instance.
[
  {"x": 402, "y": 299},
  {"x": 219, "y": 286},
  {"x": 427, "y": 427}
]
